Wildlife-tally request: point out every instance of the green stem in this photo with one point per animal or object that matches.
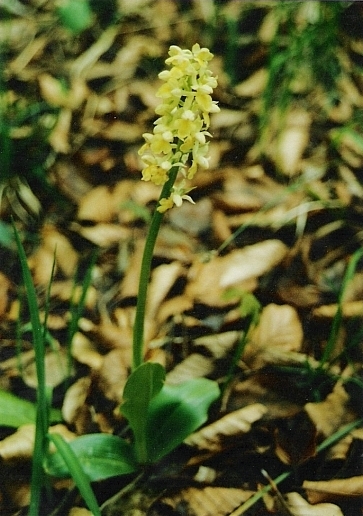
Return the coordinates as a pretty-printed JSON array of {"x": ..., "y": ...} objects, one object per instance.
[{"x": 138, "y": 334}]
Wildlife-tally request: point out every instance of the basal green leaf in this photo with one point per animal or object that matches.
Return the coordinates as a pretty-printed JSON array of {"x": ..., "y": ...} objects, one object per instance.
[
  {"x": 78, "y": 474},
  {"x": 100, "y": 456},
  {"x": 176, "y": 412},
  {"x": 141, "y": 387},
  {"x": 15, "y": 411}
]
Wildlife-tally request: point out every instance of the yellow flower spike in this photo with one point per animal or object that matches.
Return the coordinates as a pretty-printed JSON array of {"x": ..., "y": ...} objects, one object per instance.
[
  {"x": 173, "y": 151},
  {"x": 179, "y": 135},
  {"x": 165, "y": 204}
]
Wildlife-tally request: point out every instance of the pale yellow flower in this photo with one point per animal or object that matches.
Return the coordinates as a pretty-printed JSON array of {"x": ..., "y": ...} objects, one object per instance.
[{"x": 179, "y": 135}]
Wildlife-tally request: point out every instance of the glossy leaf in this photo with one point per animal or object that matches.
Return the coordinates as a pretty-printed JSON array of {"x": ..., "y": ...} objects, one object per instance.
[
  {"x": 100, "y": 456},
  {"x": 15, "y": 411},
  {"x": 176, "y": 412},
  {"x": 78, "y": 474},
  {"x": 141, "y": 387}
]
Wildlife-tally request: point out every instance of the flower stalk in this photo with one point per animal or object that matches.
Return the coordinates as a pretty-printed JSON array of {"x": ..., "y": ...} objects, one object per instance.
[
  {"x": 173, "y": 152},
  {"x": 138, "y": 333}
]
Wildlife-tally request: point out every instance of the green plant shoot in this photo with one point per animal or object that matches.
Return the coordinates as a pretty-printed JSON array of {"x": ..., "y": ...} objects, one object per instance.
[{"x": 160, "y": 416}]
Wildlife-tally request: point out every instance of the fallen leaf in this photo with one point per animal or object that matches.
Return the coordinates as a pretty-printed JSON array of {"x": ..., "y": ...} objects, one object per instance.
[
  {"x": 240, "y": 268},
  {"x": 79, "y": 511},
  {"x": 194, "y": 366},
  {"x": 290, "y": 447},
  {"x": 112, "y": 375},
  {"x": 218, "y": 344},
  {"x": 298, "y": 506},
  {"x": 213, "y": 436},
  {"x": 20, "y": 444},
  {"x": 333, "y": 412},
  {"x": 105, "y": 235},
  {"x": 85, "y": 352},
  {"x": 254, "y": 85},
  {"x": 292, "y": 142},
  {"x": 54, "y": 246},
  {"x": 322, "y": 490},
  {"x": 56, "y": 369},
  {"x": 75, "y": 400},
  {"x": 4, "y": 294},
  {"x": 97, "y": 205},
  {"x": 278, "y": 333},
  {"x": 209, "y": 501},
  {"x": 349, "y": 309}
]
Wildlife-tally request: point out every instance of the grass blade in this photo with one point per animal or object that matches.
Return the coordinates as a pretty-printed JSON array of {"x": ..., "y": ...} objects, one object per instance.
[
  {"x": 42, "y": 417},
  {"x": 80, "y": 478},
  {"x": 337, "y": 321}
]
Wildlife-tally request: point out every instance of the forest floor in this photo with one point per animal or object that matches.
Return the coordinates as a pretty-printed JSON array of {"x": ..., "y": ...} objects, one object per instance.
[{"x": 258, "y": 286}]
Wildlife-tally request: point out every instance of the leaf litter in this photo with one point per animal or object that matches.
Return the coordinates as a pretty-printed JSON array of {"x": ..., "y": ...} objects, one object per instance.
[{"x": 278, "y": 216}]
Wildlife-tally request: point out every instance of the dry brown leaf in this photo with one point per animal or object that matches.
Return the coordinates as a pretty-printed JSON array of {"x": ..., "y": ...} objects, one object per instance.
[
  {"x": 332, "y": 413},
  {"x": 298, "y": 506},
  {"x": 254, "y": 85},
  {"x": 60, "y": 135},
  {"x": 79, "y": 511},
  {"x": 349, "y": 309},
  {"x": 228, "y": 118},
  {"x": 240, "y": 268},
  {"x": 290, "y": 447},
  {"x": 292, "y": 142},
  {"x": 130, "y": 283},
  {"x": 105, "y": 235},
  {"x": 4, "y": 294},
  {"x": 112, "y": 375},
  {"x": 239, "y": 422},
  {"x": 97, "y": 205},
  {"x": 117, "y": 335},
  {"x": 322, "y": 490},
  {"x": 174, "y": 307},
  {"x": 54, "y": 93},
  {"x": 54, "y": 244},
  {"x": 65, "y": 290},
  {"x": 194, "y": 366},
  {"x": 220, "y": 225},
  {"x": 279, "y": 332},
  {"x": 56, "y": 369},
  {"x": 75, "y": 399},
  {"x": 85, "y": 352},
  {"x": 20, "y": 444},
  {"x": 193, "y": 219},
  {"x": 104, "y": 204},
  {"x": 162, "y": 280},
  {"x": 218, "y": 344},
  {"x": 209, "y": 501},
  {"x": 41, "y": 265}
]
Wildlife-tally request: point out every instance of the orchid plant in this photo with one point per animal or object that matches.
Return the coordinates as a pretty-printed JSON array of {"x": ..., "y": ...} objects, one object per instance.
[{"x": 160, "y": 416}]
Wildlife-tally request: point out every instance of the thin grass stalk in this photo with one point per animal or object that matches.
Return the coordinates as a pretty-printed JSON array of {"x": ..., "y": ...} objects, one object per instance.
[
  {"x": 42, "y": 417},
  {"x": 139, "y": 324},
  {"x": 337, "y": 320}
]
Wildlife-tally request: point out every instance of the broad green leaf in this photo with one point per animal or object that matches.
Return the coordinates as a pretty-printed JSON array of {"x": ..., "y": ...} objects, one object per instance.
[
  {"x": 100, "y": 456},
  {"x": 75, "y": 15},
  {"x": 15, "y": 411},
  {"x": 78, "y": 474},
  {"x": 176, "y": 412},
  {"x": 141, "y": 387},
  {"x": 6, "y": 233}
]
